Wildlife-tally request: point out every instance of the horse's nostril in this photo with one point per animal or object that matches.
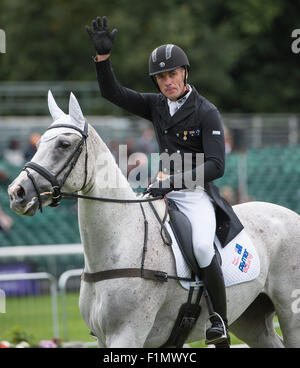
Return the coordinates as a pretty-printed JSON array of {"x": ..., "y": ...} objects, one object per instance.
[{"x": 20, "y": 192}]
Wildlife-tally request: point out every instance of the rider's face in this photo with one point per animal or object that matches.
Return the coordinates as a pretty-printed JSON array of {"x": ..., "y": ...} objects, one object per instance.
[{"x": 171, "y": 83}]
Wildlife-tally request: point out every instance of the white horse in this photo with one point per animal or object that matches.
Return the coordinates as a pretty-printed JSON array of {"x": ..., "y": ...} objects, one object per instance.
[{"x": 134, "y": 312}]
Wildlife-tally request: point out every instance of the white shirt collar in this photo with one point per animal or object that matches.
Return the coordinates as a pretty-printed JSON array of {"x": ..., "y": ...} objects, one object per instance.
[{"x": 176, "y": 105}]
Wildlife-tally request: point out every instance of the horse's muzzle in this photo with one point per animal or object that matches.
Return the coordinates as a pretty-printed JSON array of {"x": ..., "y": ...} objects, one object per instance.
[{"x": 23, "y": 199}]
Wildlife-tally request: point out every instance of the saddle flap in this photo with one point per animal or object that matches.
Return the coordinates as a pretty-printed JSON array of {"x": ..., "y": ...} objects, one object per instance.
[{"x": 182, "y": 230}]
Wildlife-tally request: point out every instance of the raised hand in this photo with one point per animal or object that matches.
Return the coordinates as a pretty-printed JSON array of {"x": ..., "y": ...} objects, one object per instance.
[{"x": 103, "y": 39}]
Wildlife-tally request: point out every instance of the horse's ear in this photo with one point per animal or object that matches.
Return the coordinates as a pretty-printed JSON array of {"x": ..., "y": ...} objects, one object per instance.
[
  {"x": 55, "y": 111},
  {"x": 75, "y": 110}
]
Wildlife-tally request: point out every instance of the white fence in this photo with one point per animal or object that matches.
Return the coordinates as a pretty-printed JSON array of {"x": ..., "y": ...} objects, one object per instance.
[
  {"x": 22, "y": 310},
  {"x": 53, "y": 292},
  {"x": 62, "y": 287}
]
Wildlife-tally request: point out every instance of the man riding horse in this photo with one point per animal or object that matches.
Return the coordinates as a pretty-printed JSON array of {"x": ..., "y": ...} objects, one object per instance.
[{"x": 184, "y": 122}]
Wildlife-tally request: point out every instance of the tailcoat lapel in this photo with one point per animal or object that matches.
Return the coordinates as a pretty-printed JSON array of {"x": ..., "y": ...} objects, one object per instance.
[{"x": 166, "y": 120}]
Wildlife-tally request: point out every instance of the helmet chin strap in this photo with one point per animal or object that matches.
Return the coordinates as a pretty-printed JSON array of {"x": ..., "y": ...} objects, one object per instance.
[
  {"x": 155, "y": 82},
  {"x": 185, "y": 78},
  {"x": 183, "y": 94}
]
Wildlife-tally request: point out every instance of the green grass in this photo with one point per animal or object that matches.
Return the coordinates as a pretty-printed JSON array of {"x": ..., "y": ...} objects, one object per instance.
[{"x": 33, "y": 316}]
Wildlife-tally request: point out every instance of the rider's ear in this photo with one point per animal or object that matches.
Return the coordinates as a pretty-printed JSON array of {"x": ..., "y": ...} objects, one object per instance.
[
  {"x": 75, "y": 110},
  {"x": 55, "y": 111}
]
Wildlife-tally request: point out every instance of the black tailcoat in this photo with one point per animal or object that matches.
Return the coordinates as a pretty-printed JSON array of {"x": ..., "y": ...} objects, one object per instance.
[{"x": 195, "y": 128}]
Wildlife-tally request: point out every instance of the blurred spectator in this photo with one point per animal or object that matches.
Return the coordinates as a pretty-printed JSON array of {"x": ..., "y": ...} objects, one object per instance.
[
  {"x": 6, "y": 221},
  {"x": 31, "y": 149},
  {"x": 228, "y": 140},
  {"x": 4, "y": 176},
  {"x": 131, "y": 147},
  {"x": 114, "y": 149},
  {"x": 242, "y": 198},
  {"x": 146, "y": 143},
  {"x": 14, "y": 154},
  {"x": 229, "y": 194}
]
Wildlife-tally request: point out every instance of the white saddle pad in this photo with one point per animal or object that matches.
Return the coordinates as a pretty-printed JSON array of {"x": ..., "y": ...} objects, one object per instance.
[{"x": 240, "y": 261}]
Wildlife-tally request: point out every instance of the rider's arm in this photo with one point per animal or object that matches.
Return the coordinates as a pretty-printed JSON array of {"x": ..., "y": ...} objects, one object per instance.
[
  {"x": 132, "y": 101},
  {"x": 213, "y": 143}
]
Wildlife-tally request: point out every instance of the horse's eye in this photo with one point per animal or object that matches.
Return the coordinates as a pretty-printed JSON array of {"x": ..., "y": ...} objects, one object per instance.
[{"x": 64, "y": 144}]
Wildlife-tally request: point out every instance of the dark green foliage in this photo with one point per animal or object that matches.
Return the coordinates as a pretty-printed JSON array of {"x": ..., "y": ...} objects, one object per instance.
[{"x": 240, "y": 51}]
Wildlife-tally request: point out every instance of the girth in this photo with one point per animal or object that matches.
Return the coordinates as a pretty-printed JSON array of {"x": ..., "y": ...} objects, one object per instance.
[{"x": 125, "y": 272}]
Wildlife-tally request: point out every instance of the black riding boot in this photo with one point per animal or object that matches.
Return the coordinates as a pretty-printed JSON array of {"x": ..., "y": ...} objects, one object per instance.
[{"x": 214, "y": 282}]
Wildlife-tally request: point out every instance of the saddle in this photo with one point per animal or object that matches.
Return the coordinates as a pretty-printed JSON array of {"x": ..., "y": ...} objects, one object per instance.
[{"x": 182, "y": 229}]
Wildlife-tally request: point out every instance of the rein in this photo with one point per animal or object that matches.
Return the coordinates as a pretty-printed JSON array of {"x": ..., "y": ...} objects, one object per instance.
[{"x": 113, "y": 200}]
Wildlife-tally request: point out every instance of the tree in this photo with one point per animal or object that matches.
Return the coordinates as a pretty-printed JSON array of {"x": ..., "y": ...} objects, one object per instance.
[{"x": 239, "y": 51}]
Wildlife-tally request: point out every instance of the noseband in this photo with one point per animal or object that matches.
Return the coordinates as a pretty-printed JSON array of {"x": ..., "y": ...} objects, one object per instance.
[{"x": 53, "y": 178}]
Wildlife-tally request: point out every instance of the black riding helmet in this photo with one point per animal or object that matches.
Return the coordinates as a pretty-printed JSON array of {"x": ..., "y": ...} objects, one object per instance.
[{"x": 166, "y": 58}]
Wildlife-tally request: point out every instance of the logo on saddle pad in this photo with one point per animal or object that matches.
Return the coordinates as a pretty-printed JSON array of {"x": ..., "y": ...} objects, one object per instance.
[{"x": 242, "y": 259}]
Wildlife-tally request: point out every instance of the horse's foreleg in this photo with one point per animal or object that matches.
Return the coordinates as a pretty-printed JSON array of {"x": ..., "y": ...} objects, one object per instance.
[
  {"x": 132, "y": 330},
  {"x": 129, "y": 313}
]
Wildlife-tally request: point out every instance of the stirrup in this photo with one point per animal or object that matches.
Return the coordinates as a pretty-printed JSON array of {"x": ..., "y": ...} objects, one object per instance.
[{"x": 220, "y": 339}]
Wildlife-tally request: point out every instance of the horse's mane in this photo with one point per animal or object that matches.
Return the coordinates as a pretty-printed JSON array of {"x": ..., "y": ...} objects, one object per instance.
[{"x": 102, "y": 149}]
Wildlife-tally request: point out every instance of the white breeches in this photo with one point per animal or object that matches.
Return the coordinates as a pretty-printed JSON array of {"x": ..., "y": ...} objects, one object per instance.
[{"x": 198, "y": 207}]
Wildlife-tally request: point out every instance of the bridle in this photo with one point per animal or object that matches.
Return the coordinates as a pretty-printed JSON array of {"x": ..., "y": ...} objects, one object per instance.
[
  {"x": 57, "y": 194},
  {"x": 53, "y": 178}
]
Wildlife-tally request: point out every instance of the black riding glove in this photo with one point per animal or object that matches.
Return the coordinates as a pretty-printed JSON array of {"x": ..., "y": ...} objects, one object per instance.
[
  {"x": 103, "y": 40},
  {"x": 160, "y": 188}
]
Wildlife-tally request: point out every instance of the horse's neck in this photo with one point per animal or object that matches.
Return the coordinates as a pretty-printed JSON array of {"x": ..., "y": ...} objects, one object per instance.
[{"x": 110, "y": 232}]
